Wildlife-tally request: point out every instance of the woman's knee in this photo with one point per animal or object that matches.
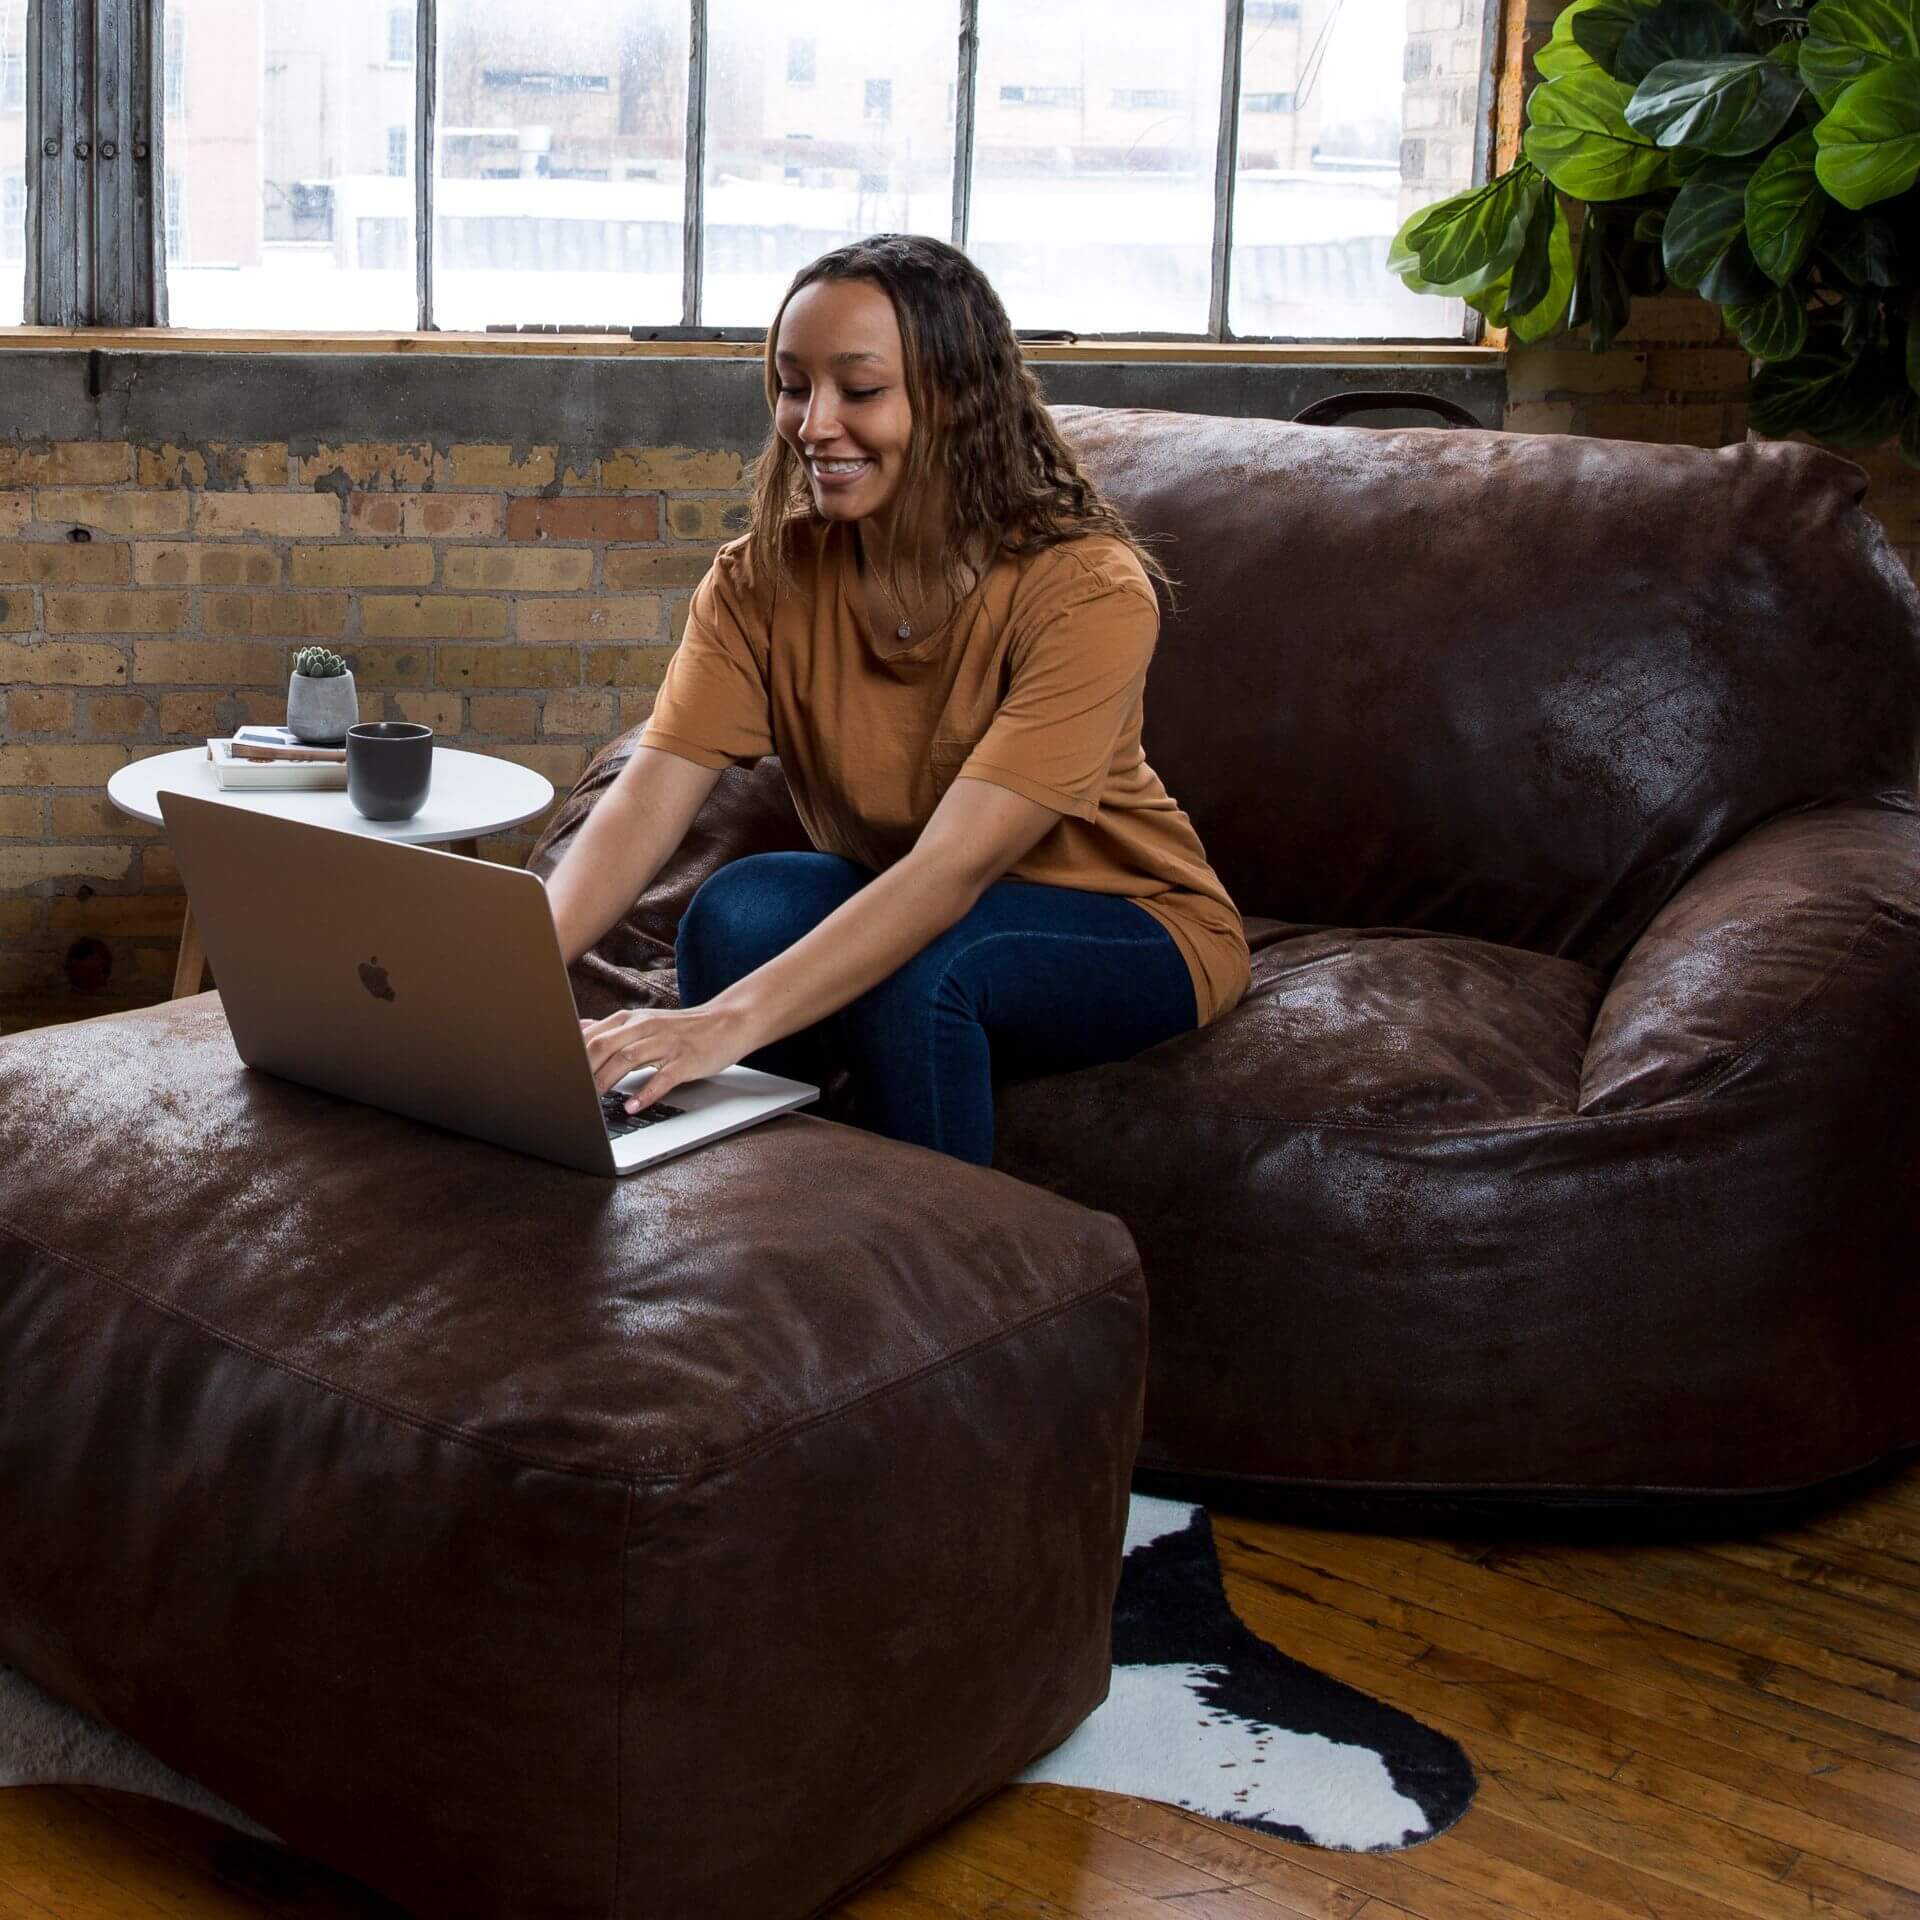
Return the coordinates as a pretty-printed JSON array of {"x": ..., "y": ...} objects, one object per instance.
[{"x": 758, "y": 906}]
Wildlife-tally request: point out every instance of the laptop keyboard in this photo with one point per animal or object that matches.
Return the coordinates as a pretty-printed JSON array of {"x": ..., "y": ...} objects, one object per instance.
[{"x": 619, "y": 1121}]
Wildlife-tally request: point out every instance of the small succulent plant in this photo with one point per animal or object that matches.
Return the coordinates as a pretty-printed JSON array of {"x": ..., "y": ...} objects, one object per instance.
[{"x": 319, "y": 663}]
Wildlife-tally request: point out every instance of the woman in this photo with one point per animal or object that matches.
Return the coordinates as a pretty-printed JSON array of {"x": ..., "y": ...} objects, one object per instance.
[{"x": 943, "y": 630}]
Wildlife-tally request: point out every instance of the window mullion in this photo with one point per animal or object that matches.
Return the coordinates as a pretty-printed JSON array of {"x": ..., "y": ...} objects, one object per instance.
[
  {"x": 694, "y": 240},
  {"x": 966, "y": 80},
  {"x": 1226, "y": 168},
  {"x": 59, "y": 285},
  {"x": 426, "y": 35}
]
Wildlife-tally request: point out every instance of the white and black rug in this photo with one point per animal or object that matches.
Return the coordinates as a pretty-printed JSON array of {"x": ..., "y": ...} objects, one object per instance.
[{"x": 1203, "y": 1714}]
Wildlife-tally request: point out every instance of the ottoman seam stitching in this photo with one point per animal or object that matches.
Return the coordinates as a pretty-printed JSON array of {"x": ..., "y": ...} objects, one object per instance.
[{"x": 685, "y": 1476}]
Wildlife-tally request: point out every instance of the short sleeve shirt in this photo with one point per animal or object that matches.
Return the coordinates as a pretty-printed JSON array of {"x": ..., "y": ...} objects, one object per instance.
[{"x": 1037, "y": 687}]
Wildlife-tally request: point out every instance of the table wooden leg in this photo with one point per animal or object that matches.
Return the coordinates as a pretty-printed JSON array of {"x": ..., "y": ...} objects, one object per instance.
[
  {"x": 192, "y": 965},
  {"x": 471, "y": 848}
]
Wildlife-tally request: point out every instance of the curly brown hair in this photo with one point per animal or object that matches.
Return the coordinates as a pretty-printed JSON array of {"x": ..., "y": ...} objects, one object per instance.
[{"x": 1013, "y": 485}]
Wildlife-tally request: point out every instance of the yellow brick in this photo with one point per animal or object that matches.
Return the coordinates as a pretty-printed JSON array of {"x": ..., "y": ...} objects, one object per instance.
[
  {"x": 581, "y": 476},
  {"x": 557, "y": 571},
  {"x": 39, "y": 709},
  {"x": 635, "y": 709},
  {"x": 21, "y": 866},
  {"x": 439, "y": 616},
  {"x": 122, "y": 913},
  {"x": 59, "y": 766},
  {"x": 452, "y": 516},
  {"x": 17, "y": 918},
  {"x": 16, "y": 613},
  {"x": 626, "y": 666},
  {"x": 20, "y": 816},
  {"x": 501, "y": 713},
  {"x": 596, "y": 617},
  {"x": 440, "y": 711},
  {"x": 191, "y": 564},
  {"x": 392, "y": 666},
  {"x": 158, "y": 867},
  {"x": 62, "y": 663},
  {"x": 287, "y": 616},
  {"x": 90, "y": 563},
  {"x": 669, "y": 470},
  {"x": 116, "y": 612},
  {"x": 657, "y": 566},
  {"x": 162, "y": 512},
  {"x": 1671, "y": 423},
  {"x": 1681, "y": 319},
  {"x": 694, "y": 519},
  {"x": 196, "y": 714},
  {"x": 171, "y": 466},
  {"x": 507, "y": 666},
  {"x": 263, "y": 709},
  {"x": 1569, "y": 370},
  {"x": 65, "y": 463},
  {"x": 1697, "y": 370},
  {"x": 677, "y": 622},
  {"x": 91, "y": 816},
  {"x": 16, "y": 509},
  {"x": 562, "y": 765},
  {"x": 575, "y": 711},
  {"x": 1539, "y": 416},
  {"x": 118, "y": 713},
  {"x": 366, "y": 463},
  {"x": 208, "y": 663},
  {"x": 497, "y": 466},
  {"x": 361, "y": 566},
  {"x": 28, "y": 974},
  {"x": 263, "y": 466},
  {"x": 286, "y": 516}
]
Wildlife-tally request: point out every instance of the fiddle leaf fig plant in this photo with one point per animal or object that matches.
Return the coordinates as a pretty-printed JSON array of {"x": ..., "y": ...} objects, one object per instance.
[{"x": 1765, "y": 153}]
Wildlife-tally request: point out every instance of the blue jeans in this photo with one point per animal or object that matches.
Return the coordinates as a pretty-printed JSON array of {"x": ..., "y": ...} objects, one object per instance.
[{"x": 1035, "y": 979}]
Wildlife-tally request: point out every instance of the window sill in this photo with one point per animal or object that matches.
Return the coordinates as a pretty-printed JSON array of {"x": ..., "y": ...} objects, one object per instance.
[{"x": 615, "y": 346}]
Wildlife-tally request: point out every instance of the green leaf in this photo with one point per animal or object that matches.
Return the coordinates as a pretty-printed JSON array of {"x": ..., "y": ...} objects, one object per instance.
[
  {"x": 1603, "y": 25},
  {"x": 1676, "y": 30},
  {"x": 1784, "y": 208},
  {"x": 1462, "y": 245},
  {"x": 1579, "y": 138},
  {"x": 1704, "y": 243},
  {"x": 1870, "y": 140},
  {"x": 1774, "y": 328},
  {"x": 1647, "y": 225},
  {"x": 1563, "y": 54},
  {"x": 1864, "y": 248},
  {"x": 1825, "y": 393},
  {"x": 1732, "y": 104},
  {"x": 1534, "y": 320},
  {"x": 1848, "y": 38},
  {"x": 1601, "y": 296}
]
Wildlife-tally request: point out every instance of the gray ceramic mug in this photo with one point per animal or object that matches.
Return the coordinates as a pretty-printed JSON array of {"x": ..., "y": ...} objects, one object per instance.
[{"x": 389, "y": 768}]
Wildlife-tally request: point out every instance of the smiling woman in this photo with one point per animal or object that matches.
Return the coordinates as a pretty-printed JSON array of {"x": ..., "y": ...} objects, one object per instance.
[{"x": 943, "y": 631}]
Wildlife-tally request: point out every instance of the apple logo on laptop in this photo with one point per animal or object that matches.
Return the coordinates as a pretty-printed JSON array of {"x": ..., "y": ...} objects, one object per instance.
[{"x": 373, "y": 976}]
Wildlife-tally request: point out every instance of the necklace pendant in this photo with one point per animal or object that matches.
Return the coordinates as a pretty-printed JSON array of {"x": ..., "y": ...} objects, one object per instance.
[{"x": 903, "y": 631}]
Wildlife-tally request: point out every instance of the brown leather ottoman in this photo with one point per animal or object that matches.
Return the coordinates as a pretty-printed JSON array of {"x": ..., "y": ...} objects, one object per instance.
[{"x": 533, "y": 1544}]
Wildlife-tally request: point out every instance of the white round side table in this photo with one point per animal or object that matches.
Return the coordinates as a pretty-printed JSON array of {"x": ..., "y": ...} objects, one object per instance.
[{"x": 472, "y": 794}]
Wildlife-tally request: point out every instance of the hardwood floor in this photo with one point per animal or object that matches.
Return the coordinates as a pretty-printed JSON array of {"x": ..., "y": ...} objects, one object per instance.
[{"x": 1697, "y": 1732}]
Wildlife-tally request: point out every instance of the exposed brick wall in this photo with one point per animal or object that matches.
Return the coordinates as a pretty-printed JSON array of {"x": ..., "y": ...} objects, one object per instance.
[{"x": 519, "y": 602}]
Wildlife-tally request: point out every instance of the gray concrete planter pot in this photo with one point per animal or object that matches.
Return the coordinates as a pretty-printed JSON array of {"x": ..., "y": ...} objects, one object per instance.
[{"x": 321, "y": 711}]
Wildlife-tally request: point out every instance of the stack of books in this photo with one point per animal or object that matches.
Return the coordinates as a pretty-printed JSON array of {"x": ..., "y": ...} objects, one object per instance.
[{"x": 262, "y": 757}]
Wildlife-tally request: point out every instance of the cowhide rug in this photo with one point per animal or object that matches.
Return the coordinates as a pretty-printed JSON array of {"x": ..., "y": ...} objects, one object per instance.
[{"x": 1202, "y": 1714}]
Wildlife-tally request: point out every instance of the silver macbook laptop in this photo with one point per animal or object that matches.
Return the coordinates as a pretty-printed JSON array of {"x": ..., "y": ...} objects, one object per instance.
[{"x": 428, "y": 984}]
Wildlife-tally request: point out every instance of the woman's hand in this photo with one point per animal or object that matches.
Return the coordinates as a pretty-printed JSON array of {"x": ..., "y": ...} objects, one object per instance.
[{"x": 680, "y": 1044}]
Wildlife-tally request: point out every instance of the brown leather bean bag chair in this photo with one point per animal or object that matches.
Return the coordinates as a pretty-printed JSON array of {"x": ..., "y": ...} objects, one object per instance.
[{"x": 1567, "y": 1141}]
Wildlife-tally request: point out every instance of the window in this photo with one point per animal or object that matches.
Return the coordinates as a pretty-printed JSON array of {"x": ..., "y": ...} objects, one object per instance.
[
  {"x": 13, "y": 59},
  {"x": 175, "y": 31},
  {"x": 176, "y": 215},
  {"x": 573, "y": 181},
  {"x": 13, "y": 218},
  {"x": 1039, "y": 96}
]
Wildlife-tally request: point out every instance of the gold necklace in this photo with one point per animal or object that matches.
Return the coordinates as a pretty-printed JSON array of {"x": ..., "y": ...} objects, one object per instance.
[{"x": 904, "y": 630}]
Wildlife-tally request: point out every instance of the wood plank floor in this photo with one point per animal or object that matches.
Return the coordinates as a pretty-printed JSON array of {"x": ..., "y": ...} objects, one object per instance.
[{"x": 1721, "y": 1731}]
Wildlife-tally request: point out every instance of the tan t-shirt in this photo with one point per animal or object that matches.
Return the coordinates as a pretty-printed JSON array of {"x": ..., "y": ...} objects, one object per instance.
[{"x": 1036, "y": 688}]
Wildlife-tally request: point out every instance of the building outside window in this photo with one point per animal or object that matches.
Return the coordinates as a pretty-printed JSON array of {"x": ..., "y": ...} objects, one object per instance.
[
  {"x": 175, "y": 30},
  {"x": 397, "y": 145},
  {"x": 13, "y": 217},
  {"x": 800, "y": 56},
  {"x": 1266, "y": 103},
  {"x": 13, "y": 59},
  {"x": 400, "y": 36},
  {"x": 879, "y": 99},
  {"x": 1134, "y": 98},
  {"x": 176, "y": 215},
  {"x": 1022, "y": 96}
]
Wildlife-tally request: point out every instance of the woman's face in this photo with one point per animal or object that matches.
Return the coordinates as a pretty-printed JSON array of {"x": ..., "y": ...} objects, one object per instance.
[{"x": 842, "y": 405}]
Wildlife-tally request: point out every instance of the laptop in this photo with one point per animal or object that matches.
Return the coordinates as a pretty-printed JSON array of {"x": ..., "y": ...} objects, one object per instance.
[{"x": 428, "y": 984}]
